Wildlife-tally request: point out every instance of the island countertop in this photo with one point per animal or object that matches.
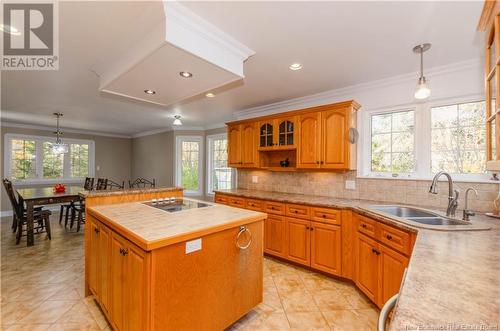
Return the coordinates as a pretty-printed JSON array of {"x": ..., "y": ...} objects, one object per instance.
[
  {"x": 452, "y": 279},
  {"x": 151, "y": 228}
]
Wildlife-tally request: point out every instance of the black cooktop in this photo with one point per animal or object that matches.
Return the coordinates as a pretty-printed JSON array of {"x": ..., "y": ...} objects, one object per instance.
[{"x": 174, "y": 205}]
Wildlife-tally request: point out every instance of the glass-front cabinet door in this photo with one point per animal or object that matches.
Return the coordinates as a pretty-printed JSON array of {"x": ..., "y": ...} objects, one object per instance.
[
  {"x": 286, "y": 132},
  {"x": 266, "y": 135}
]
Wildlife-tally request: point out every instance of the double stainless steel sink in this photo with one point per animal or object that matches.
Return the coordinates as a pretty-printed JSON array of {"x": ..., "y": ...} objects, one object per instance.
[{"x": 418, "y": 215}]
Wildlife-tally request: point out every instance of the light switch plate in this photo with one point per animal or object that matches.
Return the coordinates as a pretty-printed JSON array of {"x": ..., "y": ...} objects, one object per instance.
[
  {"x": 193, "y": 246},
  {"x": 255, "y": 179},
  {"x": 350, "y": 185}
]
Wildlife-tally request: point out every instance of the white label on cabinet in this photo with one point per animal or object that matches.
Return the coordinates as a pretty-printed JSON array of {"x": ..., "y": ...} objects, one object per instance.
[{"x": 193, "y": 245}]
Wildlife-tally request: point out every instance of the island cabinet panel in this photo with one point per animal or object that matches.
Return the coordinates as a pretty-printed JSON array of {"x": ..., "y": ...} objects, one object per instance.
[
  {"x": 104, "y": 267},
  {"x": 326, "y": 247},
  {"x": 367, "y": 266},
  {"x": 298, "y": 240},
  {"x": 211, "y": 288},
  {"x": 117, "y": 277},
  {"x": 274, "y": 235},
  {"x": 309, "y": 140},
  {"x": 392, "y": 268},
  {"x": 94, "y": 252}
]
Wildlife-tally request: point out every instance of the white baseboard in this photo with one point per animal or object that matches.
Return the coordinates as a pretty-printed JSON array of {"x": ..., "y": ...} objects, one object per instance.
[{"x": 6, "y": 213}]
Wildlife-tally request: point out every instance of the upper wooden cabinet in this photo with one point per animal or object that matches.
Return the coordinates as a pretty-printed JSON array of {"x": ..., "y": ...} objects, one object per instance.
[
  {"x": 242, "y": 145},
  {"x": 313, "y": 138},
  {"x": 490, "y": 23}
]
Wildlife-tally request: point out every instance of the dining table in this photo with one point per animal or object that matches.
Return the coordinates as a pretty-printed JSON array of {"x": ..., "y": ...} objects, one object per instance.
[{"x": 45, "y": 195}]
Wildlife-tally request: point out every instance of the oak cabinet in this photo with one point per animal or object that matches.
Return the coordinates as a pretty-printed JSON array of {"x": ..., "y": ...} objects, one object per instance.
[
  {"x": 326, "y": 246},
  {"x": 298, "y": 240},
  {"x": 103, "y": 267},
  {"x": 234, "y": 145},
  {"x": 313, "y": 138},
  {"x": 392, "y": 268},
  {"x": 274, "y": 235},
  {"x": 117, "y": 277},
  {"x": 94, "y": 251},
  {"x": 367, "y": 266}
]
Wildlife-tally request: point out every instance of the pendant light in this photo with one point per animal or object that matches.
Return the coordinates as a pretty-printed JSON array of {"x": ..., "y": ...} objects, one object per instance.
[
  {"x": 58, "y": 147},
  {"x": 422, "y": 90}
]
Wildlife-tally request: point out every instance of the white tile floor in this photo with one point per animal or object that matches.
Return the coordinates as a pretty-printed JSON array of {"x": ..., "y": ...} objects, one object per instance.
[{"x": 42, "y": 289}]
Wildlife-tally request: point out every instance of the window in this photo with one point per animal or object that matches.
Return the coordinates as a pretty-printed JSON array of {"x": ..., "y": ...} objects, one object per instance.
[
  {"x": 219, "y": 175},
  {"x": 393, "y": 142},
  {"x": 189, "y": 157},
  {"x": 426, "y": 139},
  {"x": 458, "y": 138},
  {"x": 29, "y": 159}
]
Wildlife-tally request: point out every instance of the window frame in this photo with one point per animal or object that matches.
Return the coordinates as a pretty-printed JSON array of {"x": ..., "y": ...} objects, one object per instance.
[
  {"x": 39, "y": 140},
  {"x": 209, "y": 140},
  {"x": 178, "y": 163},
  {"x": 422, "y": 137}
]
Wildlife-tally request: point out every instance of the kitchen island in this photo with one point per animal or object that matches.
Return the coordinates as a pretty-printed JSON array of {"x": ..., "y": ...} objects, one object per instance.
[{"x": 181, "y": 268}]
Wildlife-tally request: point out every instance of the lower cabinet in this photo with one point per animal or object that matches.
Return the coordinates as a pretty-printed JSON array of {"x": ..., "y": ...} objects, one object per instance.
[
  {"x": 379, "y": 269},
  {"x": 118, "y": 277},
  {"x": 298, "y": 240},
  {"x": 274, "y": 235},
  {"x": 326, "y": 243}
]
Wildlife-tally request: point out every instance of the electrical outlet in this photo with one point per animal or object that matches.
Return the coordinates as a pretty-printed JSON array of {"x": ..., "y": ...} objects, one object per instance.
[
  {"x": 255, "y": 179},
  {"x": 97, "y": 168},
  {"x": 350, "y": 185}
]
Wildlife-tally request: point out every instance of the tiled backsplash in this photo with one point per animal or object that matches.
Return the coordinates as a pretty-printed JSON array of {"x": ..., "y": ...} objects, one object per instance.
[{"x": 386, "y": 190}]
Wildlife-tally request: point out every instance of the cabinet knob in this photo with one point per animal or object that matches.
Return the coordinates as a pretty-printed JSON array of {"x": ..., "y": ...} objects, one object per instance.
[
  {"x": 96, "y": 230},
  {"x": 295, "y": 211},
  {"x": 375, "y": 251},
  {"x": 321, "y": 162},
  {"x": 317, "y": 162},
  {"x": 125, "y": 251},
  {"x": 311, "y": 228},
  {"x": 389, "y": 237},
  {"x": 324, "y": 216},
  {"x": 363, "y": 226}
]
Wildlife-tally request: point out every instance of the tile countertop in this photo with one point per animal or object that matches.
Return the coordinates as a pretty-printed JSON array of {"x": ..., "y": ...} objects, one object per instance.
[
  {"x": 453, "y": 278},
  {"x": 151, "y": 228},
  {"x": 106, "y": 193}
]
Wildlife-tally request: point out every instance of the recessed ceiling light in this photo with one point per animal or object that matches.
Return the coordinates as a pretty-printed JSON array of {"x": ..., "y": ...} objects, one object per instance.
[
  {"x": 177, "y": 120},
  {"x": 10, "y": 29},
  {"x": 295, "y": 66},
  {"x": 149, "y": 92},
  {"x": 185, "y": 74},
  {"x": 210, "y": 95}
]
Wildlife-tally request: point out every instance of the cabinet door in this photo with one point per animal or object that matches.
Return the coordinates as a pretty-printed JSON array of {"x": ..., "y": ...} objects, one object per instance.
[
  {"x": 117, "y": 278},
  {"x": 334, "y": 139},
  {"x": 234, "y": 145},
  {"x": 326, "y": 248},
  {"x": 136, "y": 287},
  {"x": 249, "y": 145},
  {"x": 392, "y": 267},
  {"x": 367, "y": 266},
  {"x": 274, "y": 235},
  {"x": 298, "y": 240},
  {"x": 94, "y": 257},
  {"x": 266, "y": 135},
  {"x": 308, "y": 155},
  {"x": 104, "y": 267},
  {"x": 285, "y": 133}
]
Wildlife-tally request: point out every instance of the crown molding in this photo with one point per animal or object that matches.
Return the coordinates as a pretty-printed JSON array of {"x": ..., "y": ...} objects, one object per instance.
[
  {"x": 346, "y": 92},
  {"x": 151, "y": 132},
  {"x": 220, "y": 125},
  {"x": 51, "y": 129},
  {"x": 188, "y": 128}
]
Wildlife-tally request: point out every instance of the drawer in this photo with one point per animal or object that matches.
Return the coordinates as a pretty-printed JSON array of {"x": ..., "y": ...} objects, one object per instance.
[
  {"x": 395, "y": 238},
  {"x": 237, "y": 202},
  {"x": 368, "y": 227},
  {"x": 326, "y": 215},
  {"x": 299, "y": 211},
  {"x": 222, "y": 199},
  {"x": 256, "y": 205},
  {"x": 274, "y": 208}
]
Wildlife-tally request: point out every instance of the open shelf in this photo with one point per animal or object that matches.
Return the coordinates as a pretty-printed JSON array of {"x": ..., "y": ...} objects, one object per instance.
[{"x": 270, "y": 160}]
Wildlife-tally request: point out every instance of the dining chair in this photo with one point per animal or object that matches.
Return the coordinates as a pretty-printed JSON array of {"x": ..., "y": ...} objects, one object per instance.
[
  {"x": 65, "y": 208},
  {"x": 102, "y": 184},
  {"x": 40, "y": 217},
  {"x": 114, "y": 185},
  {"x": 78, "y": 207},
  {"x": 141, "y": 183}
]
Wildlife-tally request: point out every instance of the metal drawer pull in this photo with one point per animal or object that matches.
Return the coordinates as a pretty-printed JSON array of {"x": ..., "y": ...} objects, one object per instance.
[
  {"x": 363, "y": 225},
  {"x": 384, "y": 312},
  {"x": 389, "y": 237},
  {"x": 243, "y": 229}
]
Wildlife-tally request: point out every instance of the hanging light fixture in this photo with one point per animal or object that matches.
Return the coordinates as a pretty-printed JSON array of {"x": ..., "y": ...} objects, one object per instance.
[
  {"x": 422, "y": 91},
  {"x": 177, "y": 120},
  {"x": 58, "y": 147}
]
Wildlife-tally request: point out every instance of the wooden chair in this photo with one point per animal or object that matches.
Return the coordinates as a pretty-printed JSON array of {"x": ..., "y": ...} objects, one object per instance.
[
  {"x": 65, "y": 208},
  {"x": 141, "y": 183},
  {"x": 102, "y": 184},
  {"x": 114, "y": 185},
  {"x": 78, "y": 208},
  {"x": 41, "y": 218}
]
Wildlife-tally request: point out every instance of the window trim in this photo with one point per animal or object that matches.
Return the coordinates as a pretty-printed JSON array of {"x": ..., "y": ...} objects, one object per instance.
[
  {"x": 422, "y": 149},
  {"x": 209, "y": 140},
  {"x": 178, "y": 180},
  {"x": 39, "y": 140}
]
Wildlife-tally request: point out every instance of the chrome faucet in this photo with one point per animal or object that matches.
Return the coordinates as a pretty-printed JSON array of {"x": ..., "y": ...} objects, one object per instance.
[
  {"x": 467, "y": 212},
  {"x": 452, "y": 194}
]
